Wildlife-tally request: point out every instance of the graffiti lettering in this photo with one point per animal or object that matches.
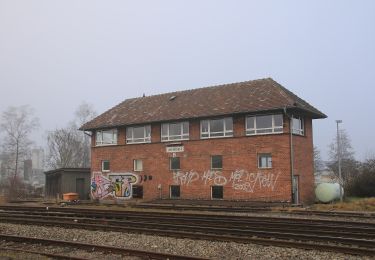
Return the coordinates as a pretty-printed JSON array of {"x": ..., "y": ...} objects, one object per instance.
[
  {"x": 240, "y": 180},
  {"x": 185, "y": 178},
  {"x": 117, "y": 185}
]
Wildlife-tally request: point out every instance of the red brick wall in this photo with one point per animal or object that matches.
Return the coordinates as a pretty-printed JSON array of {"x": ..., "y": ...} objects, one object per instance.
[{"x": 240, "y": 176}]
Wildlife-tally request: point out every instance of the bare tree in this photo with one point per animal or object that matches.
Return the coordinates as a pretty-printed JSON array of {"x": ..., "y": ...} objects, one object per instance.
[
  {"x": 318, "y": 162},
  {"x": 64, "y": 148},
  {"x": 84, "y": 113},
  {"x": 16, "y": 125},
  {"x": 69, "y": 147},
  {"x": 349, "y": 165}
]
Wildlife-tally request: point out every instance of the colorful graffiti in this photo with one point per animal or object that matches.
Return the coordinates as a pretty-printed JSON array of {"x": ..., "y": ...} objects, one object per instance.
[
  {"x": 117, "y": 185},
  {"x": 240, "y": 180}
]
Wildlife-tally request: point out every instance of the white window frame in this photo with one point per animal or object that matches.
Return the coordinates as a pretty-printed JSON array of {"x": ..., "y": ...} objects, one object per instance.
[
  {"x": 101, "y": 132},
  {"x": 134, "y": 165},
  {"x": 267, "y": 155},
  {"x": 182, "y": 136},
  {"x": 301, "y": 130},
  {"x": 212, "y": 168},
  {"x": 132, "y": 140},
  {"x": 108, "y": 164},
  {"x": 170, "y": 163},
  {"x": 274, "y": 129},
  {"x": 226, "y": 133}
]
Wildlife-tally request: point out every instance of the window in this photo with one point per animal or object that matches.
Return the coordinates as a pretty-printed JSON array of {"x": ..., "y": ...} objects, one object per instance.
[
  {"x": 217, "y": 128},
  {"x": 297, "y": 126},
  {"x": 174, "y": 163},
  {"x": 265, "y": 160},
  {"x": 105, "y": 166},
  {"x": 139, "y": 134},
  {"x": 217, "y": 192},
  {"x": 138, "y": 165},
  {"x": 216, "y": 162},
  {"x": 106, "y": 137},
  {"x": 175, "y": 131},
  {"x": 267, "y": 124},
  {"x": 174, "y": 191},
  {"x": 137, "y": 191}
]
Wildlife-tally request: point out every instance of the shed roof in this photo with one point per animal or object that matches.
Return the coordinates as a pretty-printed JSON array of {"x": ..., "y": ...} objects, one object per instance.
[
  {"x": 68, "y": 170},
  {"x": 243, "y": 97}
]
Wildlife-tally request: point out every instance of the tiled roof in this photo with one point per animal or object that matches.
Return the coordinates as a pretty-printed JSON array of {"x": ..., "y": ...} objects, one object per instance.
[{"x": 244, "y": 97}]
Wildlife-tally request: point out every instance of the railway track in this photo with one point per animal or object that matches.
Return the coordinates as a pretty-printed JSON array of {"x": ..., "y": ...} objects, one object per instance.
[
  {"x": 89, "y": 248},
  {"x": 342, "y": 236}
]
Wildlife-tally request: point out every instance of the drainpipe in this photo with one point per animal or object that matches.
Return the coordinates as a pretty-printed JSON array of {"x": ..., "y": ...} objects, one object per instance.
[{"x": 291, "y": 152}]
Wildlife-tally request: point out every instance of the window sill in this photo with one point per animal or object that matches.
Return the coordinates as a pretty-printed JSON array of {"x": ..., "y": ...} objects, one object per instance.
[
  {"x": 215, "y": 137},
  {"x": 148, "y": 142},
  {"x": 176, "y": 140},
  {"x": 101, "y": 145},
  {"x": 264, "y": 134}
]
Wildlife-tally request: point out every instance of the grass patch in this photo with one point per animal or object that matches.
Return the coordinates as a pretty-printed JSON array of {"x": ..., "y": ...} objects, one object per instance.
[{"x": 350, "y": 204}]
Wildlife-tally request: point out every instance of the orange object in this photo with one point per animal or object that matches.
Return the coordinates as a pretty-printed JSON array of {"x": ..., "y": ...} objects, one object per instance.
[{"x": 70, "y": 196}]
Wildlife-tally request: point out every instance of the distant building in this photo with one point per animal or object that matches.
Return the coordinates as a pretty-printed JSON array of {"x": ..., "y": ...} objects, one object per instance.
[
  {"x": 37, "y": 157},
  {"x": 27, "y": 170}
]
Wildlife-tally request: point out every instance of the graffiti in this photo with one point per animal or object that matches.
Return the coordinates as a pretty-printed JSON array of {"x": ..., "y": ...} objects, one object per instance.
[
  {"x": 185, "y": 178},
  {"x": 240, "y": 180},
  {"x": 249, "y": 182},
  {"x": 214, "y": 177},
  {"x": 118, "y": 185}
]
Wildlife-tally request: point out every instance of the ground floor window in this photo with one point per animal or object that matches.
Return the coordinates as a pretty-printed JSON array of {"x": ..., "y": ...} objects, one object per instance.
[
  {"x": 174, "y": 191},
  {"x": 137, "y": 192},
  {"x": 217, "y": 192}
]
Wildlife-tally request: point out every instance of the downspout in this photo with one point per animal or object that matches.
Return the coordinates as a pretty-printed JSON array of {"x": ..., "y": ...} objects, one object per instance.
[{"x": 291, "y": 153}]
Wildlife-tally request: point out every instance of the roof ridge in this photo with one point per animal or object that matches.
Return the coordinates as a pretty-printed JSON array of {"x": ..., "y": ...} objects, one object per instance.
[{"x": 200, "y": 88}]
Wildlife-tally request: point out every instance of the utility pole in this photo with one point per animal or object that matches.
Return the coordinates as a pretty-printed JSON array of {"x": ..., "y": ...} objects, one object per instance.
[{"x": 339, "y": 157}]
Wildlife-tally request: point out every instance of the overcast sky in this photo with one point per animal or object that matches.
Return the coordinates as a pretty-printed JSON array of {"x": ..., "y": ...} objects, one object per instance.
[{"x": 56, "y": 54}]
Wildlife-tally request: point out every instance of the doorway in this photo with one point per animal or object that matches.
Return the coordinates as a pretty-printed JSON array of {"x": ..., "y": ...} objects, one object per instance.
[{"x": 80, "y": 188}]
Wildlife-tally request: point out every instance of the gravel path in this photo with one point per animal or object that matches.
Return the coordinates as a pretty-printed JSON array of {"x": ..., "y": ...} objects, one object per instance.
[{"x": 199, "y": 248}]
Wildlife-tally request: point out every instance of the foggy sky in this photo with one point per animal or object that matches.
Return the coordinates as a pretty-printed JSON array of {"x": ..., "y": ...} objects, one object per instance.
[{"x": 56, "y": 54}]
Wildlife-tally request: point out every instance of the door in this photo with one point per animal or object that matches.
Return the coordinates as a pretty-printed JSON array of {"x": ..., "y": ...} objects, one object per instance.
[
  {"x": 80, "y": 188},
  {"x": 295, "y": 190}
]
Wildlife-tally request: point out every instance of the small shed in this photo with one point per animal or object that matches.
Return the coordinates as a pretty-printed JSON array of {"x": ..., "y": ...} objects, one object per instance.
[{"x": 66, "y": 180}]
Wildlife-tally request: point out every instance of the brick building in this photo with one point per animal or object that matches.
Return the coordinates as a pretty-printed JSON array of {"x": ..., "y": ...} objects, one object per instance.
[{"x": 230, "y": 142}]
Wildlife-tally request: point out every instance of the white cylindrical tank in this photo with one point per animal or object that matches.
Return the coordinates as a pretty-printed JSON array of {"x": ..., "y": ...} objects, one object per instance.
[{"x": 327, "y": 192}]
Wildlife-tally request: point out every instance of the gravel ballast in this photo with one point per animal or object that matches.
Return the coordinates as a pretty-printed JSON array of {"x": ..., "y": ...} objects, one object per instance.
[{"x": 198, "y": 248}]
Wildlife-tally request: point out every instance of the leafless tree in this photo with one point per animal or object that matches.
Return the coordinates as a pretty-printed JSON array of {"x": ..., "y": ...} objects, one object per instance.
[
  {"x": 318, "y": 162},
  {"x": 69, "y": 147},
  {"x": 65, "y": 148},
  {"x": 16, "y": 125},
  {"x": 349, "y": 165},
  {"x": 84, "y": 113}
]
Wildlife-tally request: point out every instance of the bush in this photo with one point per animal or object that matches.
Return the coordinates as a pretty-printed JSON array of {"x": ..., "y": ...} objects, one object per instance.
[{"x": 363, "y": 185}]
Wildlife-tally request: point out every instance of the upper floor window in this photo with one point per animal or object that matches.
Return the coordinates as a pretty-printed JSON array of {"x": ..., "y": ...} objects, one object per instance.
[
  {"x": 267, "y": 124},
  {"x": 138, "y": 134},
  {"x": 212, "y": 128},
  {"x": 106, "y": 137},
  {"x": 298, "y": 126},
  {"x": 175, "y": 131}
]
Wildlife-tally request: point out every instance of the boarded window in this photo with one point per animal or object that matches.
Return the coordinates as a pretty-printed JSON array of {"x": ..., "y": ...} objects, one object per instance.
[
  {"x": 217, "y": 192},
  {"x": 175, "y": 191}
]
